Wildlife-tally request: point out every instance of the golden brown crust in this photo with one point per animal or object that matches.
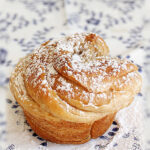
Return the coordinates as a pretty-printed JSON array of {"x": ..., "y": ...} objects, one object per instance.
[
  {"x": 69, "y": 132},
  {"x": 70, "y": 90},
  {"x": 63, "y": 132},
  {"x": 99, "y": 127}
]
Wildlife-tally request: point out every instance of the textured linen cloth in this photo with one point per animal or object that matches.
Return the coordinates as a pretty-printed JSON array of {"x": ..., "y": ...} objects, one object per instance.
[{"x": 124, "y": 25}]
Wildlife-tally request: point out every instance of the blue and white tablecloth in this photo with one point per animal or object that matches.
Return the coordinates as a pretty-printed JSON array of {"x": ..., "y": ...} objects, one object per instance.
[{"x": 124, "y": 25}]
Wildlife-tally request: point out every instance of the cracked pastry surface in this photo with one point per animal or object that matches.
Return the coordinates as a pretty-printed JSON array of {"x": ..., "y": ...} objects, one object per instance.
[{"x": 70, "y": 89}]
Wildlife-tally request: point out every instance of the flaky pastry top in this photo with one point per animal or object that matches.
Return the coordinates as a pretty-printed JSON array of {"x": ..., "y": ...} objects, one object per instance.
[{"x": 74, "y": 79}]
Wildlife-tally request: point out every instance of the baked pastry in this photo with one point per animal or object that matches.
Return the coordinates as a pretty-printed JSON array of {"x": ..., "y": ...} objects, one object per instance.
[{"x": 70, "y": 89}]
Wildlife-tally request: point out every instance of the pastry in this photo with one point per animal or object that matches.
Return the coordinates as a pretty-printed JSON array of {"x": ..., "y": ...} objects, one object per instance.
[{"x": 70, "y": 89}]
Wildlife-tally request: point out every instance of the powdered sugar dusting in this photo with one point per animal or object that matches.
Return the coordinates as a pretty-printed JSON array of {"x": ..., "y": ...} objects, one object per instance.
[
  {"x": 68, "y": 65},
  {"x": 71, "y": 44}
]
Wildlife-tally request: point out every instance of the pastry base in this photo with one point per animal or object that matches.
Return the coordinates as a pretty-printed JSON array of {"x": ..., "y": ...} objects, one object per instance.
[{"x": 64, "y": 132}]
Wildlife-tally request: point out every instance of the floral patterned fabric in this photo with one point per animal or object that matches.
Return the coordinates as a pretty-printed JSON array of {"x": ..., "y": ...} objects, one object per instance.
[{"x": 124, "y": 25}]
